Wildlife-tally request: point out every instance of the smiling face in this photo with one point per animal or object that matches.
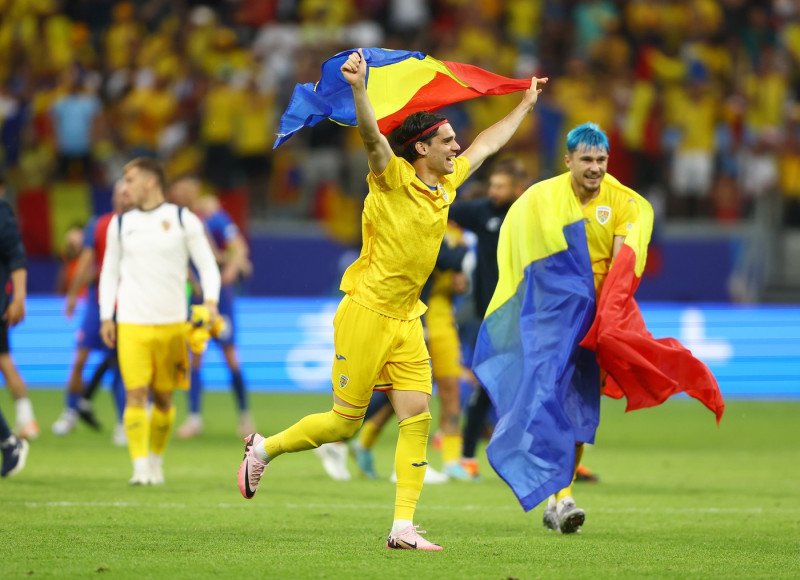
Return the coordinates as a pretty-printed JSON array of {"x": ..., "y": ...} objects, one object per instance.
[
  {"x": 587, "y": 167},
  {"x": 439, "y": 152}
]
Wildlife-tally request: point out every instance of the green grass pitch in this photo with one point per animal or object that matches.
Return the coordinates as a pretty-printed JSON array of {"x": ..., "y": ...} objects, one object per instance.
[{"x": 678, "y": 498}]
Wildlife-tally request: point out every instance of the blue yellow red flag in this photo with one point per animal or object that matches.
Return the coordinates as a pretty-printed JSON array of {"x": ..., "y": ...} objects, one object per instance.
[
  {"x": 544, "y": 387},
  {"x": 399, "y": 82},
  {"x": 534, "y": 350},
  {"x": 643, "y": 369}
]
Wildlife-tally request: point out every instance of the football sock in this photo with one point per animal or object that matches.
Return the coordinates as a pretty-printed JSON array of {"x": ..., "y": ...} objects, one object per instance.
[
  {"x": 451, "y": 448},
  {"x": 567, "y": 491},
  {"x": 137, "y": 428},
  {"x": 400, "y": 525},
  {"x": 237, "y": 382},
  {"x": 313, "y": 430},
  {"x": 368, "y": 435},
  {"x": 160, "y": 429},
  {"x": 72, "y": 401},
  {"x": 24, "y": 410},
  {"x": 410, "y": 463},
  {"x": 195, "y": 391}
]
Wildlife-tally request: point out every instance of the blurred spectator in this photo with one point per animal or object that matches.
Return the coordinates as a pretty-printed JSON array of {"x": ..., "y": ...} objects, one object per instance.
[
  {"x": 76, "y": 116},
  {"x": 696, "y": 94}
]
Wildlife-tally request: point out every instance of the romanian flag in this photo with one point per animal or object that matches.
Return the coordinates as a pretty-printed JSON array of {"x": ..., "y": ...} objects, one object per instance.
[
  {"x": 645, "y": 370},
  {"x": 533, "y": 352},
  {"x": 399, "y": 83}
]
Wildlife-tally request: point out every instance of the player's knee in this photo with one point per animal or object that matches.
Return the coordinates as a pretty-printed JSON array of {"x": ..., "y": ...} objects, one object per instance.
[
  {"x": 344, "y": 428},
  {"x": 136, "y": 397}
]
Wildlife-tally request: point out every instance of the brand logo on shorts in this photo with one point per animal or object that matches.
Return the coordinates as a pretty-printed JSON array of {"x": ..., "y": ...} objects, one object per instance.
[
  {"x": 165, "y": 225},
  {"x": 603, "y": 214},
  {"x": 343, "y": 380}
]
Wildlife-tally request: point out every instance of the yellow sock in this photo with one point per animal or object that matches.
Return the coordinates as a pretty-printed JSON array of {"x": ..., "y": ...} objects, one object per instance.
[
  {"x": 410, "y": 463},
  {"x": 137, "y": 428},
  {"x": 368, "y": 435},
  {"x": 160, "y": 429},
  {"x": 567, "y": 491},
  {"x": 313, "y": 430},
  {"x": 451, "y": 448}
]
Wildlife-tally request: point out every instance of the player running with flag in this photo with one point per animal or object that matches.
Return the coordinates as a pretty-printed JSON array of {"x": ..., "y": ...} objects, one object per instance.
[{"x": 378, "y": 335}]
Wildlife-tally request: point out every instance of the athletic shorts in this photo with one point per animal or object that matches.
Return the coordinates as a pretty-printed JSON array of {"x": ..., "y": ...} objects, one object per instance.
[
  {"x": 443, "y": 343},
  {"x": 225, "y": 307},
  {"x": 88, "y": 335},
  {"x": 377, "y": 352},
  {"x": 153, "y": 355}
]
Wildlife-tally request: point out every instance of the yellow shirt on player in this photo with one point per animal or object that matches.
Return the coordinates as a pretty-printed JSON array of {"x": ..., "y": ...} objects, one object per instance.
[
  {"x": 610, "y": 214},
  {"x": 402, "y": 227}
]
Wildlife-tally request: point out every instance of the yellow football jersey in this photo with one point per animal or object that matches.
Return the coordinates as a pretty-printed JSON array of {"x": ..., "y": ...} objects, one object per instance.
[
  {"x": 610, "y": 214},
  {"x": 402, "y": 227}
]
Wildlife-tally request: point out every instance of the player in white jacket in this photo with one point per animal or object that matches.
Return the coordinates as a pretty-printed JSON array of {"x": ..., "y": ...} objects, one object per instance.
[{"x": 143, "y": 282}]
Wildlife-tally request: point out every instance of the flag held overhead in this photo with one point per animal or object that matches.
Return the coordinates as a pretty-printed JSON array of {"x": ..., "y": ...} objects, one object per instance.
[{"x": 399, "y": 83}]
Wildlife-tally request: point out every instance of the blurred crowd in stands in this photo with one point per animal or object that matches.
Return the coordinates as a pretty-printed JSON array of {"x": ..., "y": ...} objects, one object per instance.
[{"x": 699, "y": 97}]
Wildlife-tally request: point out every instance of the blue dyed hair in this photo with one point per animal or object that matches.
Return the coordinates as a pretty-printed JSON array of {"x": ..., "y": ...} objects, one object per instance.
[{"x": 589, "y": 134}]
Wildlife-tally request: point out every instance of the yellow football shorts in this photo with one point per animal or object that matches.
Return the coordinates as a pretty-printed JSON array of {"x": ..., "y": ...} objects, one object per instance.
[
  {"x": 153, "y": 355},
  {"x": 443, "y": 343},
  {"x": 377, "y": 352}
]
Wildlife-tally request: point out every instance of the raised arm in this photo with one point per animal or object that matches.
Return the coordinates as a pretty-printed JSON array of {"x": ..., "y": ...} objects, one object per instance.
[
  {"x": 492, "y": 139},
  {"x": 379, "y": 152}
]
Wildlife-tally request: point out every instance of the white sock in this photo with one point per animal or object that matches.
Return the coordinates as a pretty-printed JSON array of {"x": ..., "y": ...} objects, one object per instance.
[
  {"x": 24, "y": 411},
  {"x": 261, "y": 452},
  {"x": 156, "y": 460},
  {"x": 141, "y": 464},
  {"x": 400, "y": 525}
]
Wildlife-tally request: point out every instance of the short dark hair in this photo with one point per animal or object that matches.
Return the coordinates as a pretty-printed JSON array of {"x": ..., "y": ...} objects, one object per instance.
[
  {"x": 403, "y": 138},
  {"x": 151, "y": 165},
  {"x": 512, "y": 167}
]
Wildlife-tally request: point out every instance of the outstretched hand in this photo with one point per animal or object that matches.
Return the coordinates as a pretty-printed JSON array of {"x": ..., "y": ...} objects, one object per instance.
[
  {"x": 532, "y": 94},
  {"x": 354, "y": 69}
]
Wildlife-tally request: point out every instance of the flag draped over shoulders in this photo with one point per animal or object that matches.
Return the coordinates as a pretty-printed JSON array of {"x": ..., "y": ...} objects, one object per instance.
[
  {"x": 544, "y": 387},
  {"x": 534, "y": 350},
  {"x": 399, "y": 83},
  {"x": 646, "y": 370}
]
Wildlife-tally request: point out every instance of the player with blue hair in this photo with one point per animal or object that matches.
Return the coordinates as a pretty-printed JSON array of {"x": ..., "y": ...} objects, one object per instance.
[{"x": 608, "y": 215}]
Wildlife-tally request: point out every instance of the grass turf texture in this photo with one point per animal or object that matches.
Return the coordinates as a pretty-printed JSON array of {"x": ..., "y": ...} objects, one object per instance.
[{"x": 678, "y": 497}]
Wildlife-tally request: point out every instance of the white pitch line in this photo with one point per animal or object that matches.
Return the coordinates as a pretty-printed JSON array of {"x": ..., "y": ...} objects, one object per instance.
[{"x": 322, "y": 506}]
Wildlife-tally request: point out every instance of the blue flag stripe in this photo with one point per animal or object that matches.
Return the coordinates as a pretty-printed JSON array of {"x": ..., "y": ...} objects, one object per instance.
[{"x": 545, "y": 388}]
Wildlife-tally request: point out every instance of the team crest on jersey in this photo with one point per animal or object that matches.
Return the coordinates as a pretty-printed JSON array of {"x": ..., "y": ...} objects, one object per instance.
[
  {"x": 165, "y": 225},
  {"x": 603, "y": 214},
  {"x": 343, "y": 380}
]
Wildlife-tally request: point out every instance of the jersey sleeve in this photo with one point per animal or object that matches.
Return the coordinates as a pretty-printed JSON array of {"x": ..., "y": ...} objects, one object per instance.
[
  {"x": 109, "y": 274},
  {"x": 397, "y": 173},
  {"x": 224, "y": 228},
  {"x": 202, "y": 256}
]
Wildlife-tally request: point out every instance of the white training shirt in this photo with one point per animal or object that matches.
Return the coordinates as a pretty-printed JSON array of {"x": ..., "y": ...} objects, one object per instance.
[{"x": 145, "y": 268}]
